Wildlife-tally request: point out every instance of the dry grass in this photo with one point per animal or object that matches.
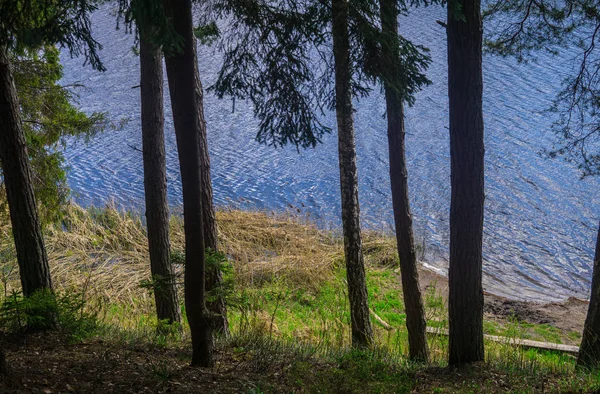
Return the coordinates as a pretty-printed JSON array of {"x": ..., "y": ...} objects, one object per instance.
[
  {"x": 104, "y": 251},
  {"x": 277, "y": 261},
  {"x": 268, "y": 246}
]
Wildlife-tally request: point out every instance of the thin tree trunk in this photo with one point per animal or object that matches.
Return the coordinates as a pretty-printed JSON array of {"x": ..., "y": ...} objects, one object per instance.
[
  {"x": 362, "y": 332},
  {"x": 214, "y": 277},
  {"x": 413, "y": 302},
  {"x": 465, "y": 89},
  {"x": 589, "y": 351},
  {"x": 155, "y": 182},
  {"x": 27, "y": 232},
  {"x": 180, "y": 72}
]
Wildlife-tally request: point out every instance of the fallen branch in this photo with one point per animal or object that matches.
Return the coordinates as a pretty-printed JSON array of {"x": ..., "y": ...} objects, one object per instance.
[
  {"x": 525, "y": 343},
  {"x": 380, "y": 320}
]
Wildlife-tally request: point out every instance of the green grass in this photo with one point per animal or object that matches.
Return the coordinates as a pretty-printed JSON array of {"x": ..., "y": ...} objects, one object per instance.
[{"x": 288, "y": 310}]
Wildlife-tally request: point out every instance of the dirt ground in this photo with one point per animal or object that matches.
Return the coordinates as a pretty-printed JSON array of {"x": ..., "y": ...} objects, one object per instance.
[
  {"x": 566, "y": 316},
  {"x": 46, "y": 364}
]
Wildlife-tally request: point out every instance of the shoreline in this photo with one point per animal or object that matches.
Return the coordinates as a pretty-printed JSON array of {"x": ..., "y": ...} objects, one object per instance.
[
  {"x": 296, "y": 214},
  {"x": 268, "y": 244},
  {"x": 568, "y": 315}
]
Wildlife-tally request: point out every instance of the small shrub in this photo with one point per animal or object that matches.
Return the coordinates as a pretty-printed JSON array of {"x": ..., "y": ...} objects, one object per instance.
[
  {"x": 75, "y": 319},
  {"x": 37, "y": 312},
  {"x": 218, "y": 262},
  {"x": 177, "y": 257},
  {"x": 45, "y": 310}
]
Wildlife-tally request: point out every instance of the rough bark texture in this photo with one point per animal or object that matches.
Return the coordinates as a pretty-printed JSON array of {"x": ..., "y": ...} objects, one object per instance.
[
  {"x": 465, "y": 88},
  {"x": 155, "y": 182},
  {"x": 362, "y": 332},
  {"x": 3, "y": 364},
  {"x": 180, "y": 72},
  {"x": 27, "y": 232},
  {"x": 413, "y": 302},
  {"x": 589, "y": 351},
  {"x": 214, "y": 277}
]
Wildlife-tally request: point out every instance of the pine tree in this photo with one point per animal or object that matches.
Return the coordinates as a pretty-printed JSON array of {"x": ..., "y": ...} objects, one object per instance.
[
  {"x": 288, "y": 97},
  {"x": 401, "y": 76},
  {"x": 465, "y": 91},
  {"x": 49, "y": 115},
  {"x": 182, "y": 82},
  {"x": 155, "y": 180},
  {"x": 32, "y": 24},
  {"x": 214, "y": 276}
]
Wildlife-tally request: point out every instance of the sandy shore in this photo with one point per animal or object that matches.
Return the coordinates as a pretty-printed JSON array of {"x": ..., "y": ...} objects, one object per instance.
[{"x": 567, "y": 316}]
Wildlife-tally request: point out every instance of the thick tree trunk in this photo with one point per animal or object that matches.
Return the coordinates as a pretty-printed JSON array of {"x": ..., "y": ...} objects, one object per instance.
[
  {"x": 413, "y": 302},
  {"x": 465, "y": 87},
  {"x": 3, "y": 364},
  {"x": 362, "y": 332},
  {"x": 180, "y": 72},
  {"x": 27, "y": 232},
  {"x": 589, "y": 351},
  {"x": 214, "y": 277},
  {"x": 155, "y": 182}
]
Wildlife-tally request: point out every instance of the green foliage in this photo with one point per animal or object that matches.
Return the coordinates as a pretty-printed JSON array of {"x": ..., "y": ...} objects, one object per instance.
[
  {"x": 405, "y": 75},
  {"x": 267, "y": 54},
  {"x": 207, "y": 33},
  {"x": 158, "y": 284},
  {"x": 524, "y": 27},
  {"x": 166, "y": 330},
  {"x": 32, "y": 24},
  {"x": 75, "y": 320},
  {"x": 49, "y": 117},
  {"x": 277, "y": 54},
  {"x": 218, "y": 262},
  {"x": 34, "y": 313},
  {"x": 177, "y": 257},
  {"x": 29, "y": 32},
  {"x": 45, "y": 310},
  {"x": 151, "y": 21}
]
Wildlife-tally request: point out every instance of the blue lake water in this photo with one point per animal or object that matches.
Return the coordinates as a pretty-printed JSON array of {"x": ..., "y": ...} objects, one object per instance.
[{"x": 540, "y": 219}]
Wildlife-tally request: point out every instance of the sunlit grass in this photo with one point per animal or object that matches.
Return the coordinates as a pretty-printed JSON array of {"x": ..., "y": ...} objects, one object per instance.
[{"x": 289, "y": 296}]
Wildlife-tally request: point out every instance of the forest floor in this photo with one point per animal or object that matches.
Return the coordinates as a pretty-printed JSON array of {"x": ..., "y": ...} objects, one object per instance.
[
  {"x": 47, "y": 363},
  {"x": 288, "y": 315}
]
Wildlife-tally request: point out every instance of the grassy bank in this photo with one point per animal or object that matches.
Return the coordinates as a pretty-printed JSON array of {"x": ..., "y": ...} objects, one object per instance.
[{"x": 288, "y": 312}]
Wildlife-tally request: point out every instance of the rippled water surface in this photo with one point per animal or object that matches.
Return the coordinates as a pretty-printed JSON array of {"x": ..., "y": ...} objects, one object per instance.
[{"x": 540, "y": 219}]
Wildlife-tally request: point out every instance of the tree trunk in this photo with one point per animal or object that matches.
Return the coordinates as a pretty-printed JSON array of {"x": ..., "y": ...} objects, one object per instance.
[
  {"x": 180, "y": 72},
  {"x": 413, "y": 302},
  {"x": 362, "y": 332},
  {"x": 214, "y": 277},
  {"x": 589, "y": 351},
  {"x": 27, "y": 232},
  {"x": 4, "y": 370},
  {"x": 465, "y": 87},
  {"x": 155, "y": 182}
]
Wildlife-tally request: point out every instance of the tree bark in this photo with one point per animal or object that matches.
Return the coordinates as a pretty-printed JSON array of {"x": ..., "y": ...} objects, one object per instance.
[
  {"x": 180, "y": 72},
  {"x": 362, "y": 331},
  {"x": 155, "y": 181},
  {"x": 465, "y": 90},
  {"x": 413, "y": 302},
  {"x": 214, "y": 277},
  {"x": 27, "y": 231},
  {"x": 589, "y": 351},
  {"x": 4, "y": 370}
]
